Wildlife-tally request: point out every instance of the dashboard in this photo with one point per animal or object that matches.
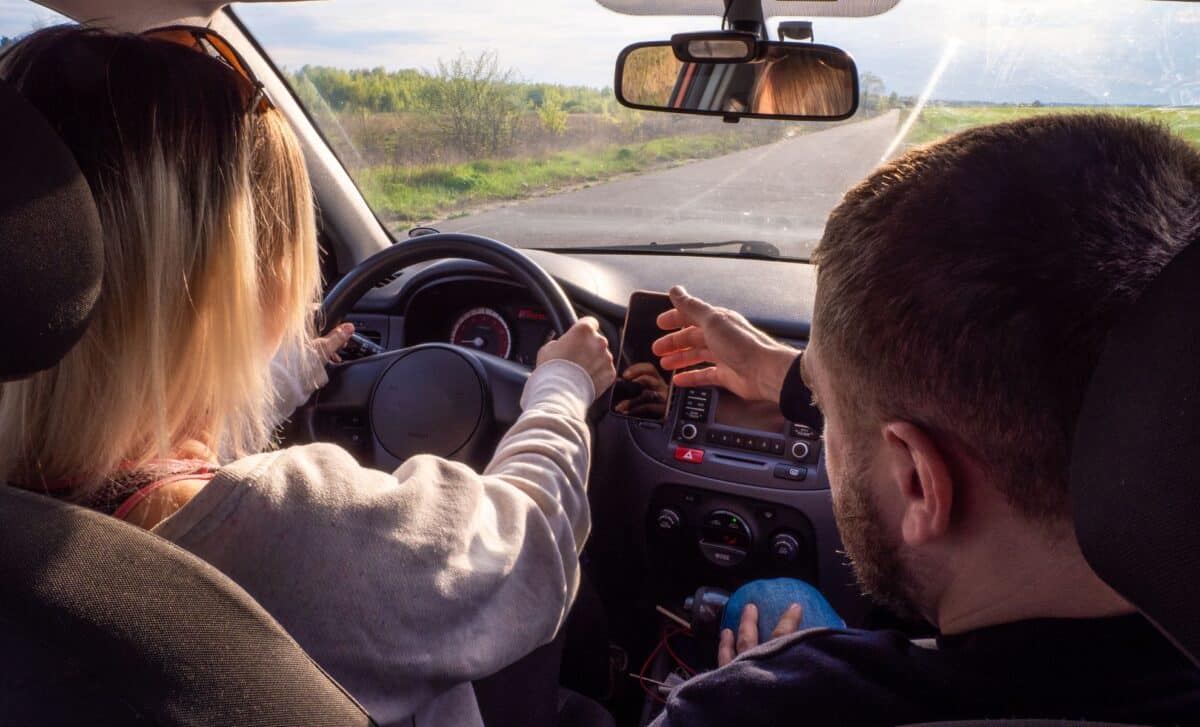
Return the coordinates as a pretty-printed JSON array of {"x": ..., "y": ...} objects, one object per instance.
[{"x": 715, "y": 495}]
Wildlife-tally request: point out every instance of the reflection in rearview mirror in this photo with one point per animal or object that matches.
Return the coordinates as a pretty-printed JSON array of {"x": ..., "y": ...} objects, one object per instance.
[{"x": 786, "y": 80}]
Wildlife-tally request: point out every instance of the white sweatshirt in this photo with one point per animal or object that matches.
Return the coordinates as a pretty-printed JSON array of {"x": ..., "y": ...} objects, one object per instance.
[{"x": 405, "y": 587}]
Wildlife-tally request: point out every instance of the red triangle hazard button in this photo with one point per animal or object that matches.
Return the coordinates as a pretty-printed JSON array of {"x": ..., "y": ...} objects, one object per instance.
[{"x": 688, "y": 454}]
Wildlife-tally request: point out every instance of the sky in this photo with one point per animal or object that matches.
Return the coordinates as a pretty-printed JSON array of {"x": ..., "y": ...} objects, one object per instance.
[{"x": 1064, "y": 51}]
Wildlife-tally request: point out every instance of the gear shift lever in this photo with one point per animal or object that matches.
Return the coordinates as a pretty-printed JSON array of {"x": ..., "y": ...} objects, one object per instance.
[{"x": 704, "y": 609}]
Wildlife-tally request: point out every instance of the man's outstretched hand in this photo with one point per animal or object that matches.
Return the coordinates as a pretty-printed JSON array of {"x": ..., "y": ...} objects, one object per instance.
[
  {"x": 742, "y": 358},
  {"x": 747, "y": 633}
]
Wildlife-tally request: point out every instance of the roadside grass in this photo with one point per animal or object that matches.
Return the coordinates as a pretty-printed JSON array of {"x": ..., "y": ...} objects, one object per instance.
[
  {"x": 938, "y": 121},
  {"x": 406, "y": 195}
]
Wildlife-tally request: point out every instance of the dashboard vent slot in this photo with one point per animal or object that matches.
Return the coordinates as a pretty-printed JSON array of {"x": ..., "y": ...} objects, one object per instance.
[{"x": 389, "y": 279}]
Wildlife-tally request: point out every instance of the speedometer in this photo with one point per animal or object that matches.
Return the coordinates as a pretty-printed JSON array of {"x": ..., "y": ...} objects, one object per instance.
[{"x": 484, "y": 330}]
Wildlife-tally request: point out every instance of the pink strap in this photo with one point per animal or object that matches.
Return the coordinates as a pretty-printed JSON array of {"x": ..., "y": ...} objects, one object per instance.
[{"x": 133, "y": 500}]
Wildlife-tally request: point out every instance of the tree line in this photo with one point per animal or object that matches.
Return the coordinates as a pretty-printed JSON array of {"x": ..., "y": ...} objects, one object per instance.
[{"x": 382, "y": 91}]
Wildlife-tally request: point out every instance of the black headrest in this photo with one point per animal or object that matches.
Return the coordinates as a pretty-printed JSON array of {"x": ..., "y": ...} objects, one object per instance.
[
  {"x": 1135, "y": 469},
  {"x": 51, "y": 251}
]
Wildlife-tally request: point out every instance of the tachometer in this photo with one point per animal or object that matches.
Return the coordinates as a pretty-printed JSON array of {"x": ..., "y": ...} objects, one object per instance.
[{"x": 484, "y": 330}]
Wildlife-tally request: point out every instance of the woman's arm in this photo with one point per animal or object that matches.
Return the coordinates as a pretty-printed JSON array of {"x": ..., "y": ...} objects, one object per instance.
[
  {"x": 295, "y": 375},
  {"x": 407, "y": 584}
]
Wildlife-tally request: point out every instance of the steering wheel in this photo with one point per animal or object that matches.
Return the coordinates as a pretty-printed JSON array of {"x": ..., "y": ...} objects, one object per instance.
[{"x": 434, "y": 398}]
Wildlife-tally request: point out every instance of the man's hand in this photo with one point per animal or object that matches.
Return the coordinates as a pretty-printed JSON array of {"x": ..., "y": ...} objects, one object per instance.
[
  {"x": 584, "y": 345},
  {"x": 334, "y": 341},
  {"x": 744, "y": 360},
  {"x": 747, "y": 634}
]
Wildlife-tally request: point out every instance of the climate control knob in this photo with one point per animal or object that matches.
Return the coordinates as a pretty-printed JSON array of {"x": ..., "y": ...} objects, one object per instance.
[
  {"x": 668, "y": 520},
  {"x": 785, "y": 547}
]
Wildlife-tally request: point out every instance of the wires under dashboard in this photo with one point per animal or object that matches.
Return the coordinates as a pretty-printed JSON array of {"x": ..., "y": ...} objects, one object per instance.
[{"x": 658, "y": 689}]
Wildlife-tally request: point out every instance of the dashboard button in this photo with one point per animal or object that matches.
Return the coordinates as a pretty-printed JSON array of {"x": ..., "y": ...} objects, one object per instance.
[
  {"x": 689, "y": 454},
  {"x": 688, "y": 432},
  {"x": 800, "y": 450},
  {"x": 793, "y": 472},
  {"x": 804, "y": 431},
  {"x": 776, "y": 446},
  {"x": 722, "y": 555}
]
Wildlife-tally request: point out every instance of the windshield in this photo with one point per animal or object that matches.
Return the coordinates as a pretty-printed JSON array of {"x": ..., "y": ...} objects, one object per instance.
[{"x": 499, "y": 118}]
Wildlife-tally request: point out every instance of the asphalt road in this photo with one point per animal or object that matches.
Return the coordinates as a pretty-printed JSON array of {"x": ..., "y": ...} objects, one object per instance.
[{"x": 780, "y": 193}]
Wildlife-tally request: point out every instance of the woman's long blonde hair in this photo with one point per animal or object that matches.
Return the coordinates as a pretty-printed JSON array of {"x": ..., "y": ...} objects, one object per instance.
[
  {"x": 801, "y": 84},
  {"x": 210, "y": 258}
]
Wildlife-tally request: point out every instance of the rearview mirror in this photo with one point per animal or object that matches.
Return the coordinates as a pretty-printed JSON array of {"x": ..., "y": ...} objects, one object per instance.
[{"x": 800, "y": 81}]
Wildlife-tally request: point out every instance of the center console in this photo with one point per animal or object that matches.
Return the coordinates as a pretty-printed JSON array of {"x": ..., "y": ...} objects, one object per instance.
[{"x": 698, "y": 535}]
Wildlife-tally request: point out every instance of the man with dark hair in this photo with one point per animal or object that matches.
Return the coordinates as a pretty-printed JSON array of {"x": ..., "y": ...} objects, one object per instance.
[{"x": 963, "y": 295}]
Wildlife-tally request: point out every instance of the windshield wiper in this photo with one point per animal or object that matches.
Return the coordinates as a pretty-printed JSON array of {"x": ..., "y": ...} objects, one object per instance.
[{"x": 746, "y": 248}]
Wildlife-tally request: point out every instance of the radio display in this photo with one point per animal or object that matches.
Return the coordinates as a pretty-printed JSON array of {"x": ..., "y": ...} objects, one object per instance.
[{"x": 760, "y": 416}]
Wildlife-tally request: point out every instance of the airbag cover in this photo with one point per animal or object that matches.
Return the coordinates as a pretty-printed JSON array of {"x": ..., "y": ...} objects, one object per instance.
[{"x": 429, "y": 401}]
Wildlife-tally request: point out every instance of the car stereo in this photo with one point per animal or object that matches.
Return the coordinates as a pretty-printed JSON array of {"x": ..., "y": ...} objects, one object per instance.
[{"x": 713, "y": 432}]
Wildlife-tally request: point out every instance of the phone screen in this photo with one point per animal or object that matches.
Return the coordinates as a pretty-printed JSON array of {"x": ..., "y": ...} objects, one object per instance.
[{"x": 643, "y": 388}]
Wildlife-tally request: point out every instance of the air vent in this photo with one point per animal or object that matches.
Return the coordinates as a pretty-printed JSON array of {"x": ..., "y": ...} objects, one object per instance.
[{"x": 389, "y": 279}]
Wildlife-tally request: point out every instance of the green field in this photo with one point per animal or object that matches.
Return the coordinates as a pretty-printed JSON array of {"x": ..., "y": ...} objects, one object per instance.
[
  {"x": 938, "y": 121},
  {"x": 411, "y": 194},
  {"x": 408, "y": 194}
]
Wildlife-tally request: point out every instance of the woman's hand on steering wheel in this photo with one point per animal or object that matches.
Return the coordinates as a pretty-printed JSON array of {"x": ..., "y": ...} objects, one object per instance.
[
  {"x": 334, "y": 341},
  {"x": 582, "y": 344}
]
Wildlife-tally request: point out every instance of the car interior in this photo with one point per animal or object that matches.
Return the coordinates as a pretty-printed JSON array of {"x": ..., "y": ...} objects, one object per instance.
[{"x": 706, "y": 493}]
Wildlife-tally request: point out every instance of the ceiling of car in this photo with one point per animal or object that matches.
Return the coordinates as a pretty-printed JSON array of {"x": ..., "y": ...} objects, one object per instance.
[
  {"x": 771, "y": 8},
  {"x": 136, "y": 15}
]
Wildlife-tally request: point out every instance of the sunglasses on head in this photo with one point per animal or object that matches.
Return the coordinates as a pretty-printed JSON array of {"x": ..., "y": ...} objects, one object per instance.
[{"x": 214, "y": 46}]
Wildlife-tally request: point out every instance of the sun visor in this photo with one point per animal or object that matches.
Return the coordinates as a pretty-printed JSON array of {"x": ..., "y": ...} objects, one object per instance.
[{"x": 771, "y": 8}]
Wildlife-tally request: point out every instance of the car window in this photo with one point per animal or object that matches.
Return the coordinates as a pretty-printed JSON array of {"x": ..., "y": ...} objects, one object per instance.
[
  {"x": 499, "y": 118},
  {"x": 19, "y": 17}
]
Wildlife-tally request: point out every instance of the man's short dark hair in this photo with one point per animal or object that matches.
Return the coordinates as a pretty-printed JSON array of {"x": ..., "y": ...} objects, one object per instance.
[{"x": 968, "y": 285}]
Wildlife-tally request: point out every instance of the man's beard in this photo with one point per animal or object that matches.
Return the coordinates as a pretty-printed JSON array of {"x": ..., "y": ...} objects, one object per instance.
[{"x": 882, "y": 572}]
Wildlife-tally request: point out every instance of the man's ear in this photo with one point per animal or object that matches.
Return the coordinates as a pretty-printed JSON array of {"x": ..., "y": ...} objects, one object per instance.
[{"x": 919, "y": 470}]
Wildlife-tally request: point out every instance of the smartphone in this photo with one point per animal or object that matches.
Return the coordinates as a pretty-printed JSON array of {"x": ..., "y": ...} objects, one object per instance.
[{"x": 643, "y": 388}]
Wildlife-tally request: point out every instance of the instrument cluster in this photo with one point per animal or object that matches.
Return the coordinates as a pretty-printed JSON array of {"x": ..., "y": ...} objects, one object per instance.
[{"x": 489, "y": 316}]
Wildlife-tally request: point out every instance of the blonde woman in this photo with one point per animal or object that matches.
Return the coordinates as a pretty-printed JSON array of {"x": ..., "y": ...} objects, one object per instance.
[{"x": 405, "y": 586}]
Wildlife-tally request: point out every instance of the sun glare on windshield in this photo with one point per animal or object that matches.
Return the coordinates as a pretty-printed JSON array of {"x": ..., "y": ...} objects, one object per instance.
[{"x": 499, "y": 121}]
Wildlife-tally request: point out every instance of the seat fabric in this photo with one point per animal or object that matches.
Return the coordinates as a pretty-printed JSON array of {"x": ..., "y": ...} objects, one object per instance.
[
  {"x": 128, "y": 627},
  {"x": 1135, "y": 463}
]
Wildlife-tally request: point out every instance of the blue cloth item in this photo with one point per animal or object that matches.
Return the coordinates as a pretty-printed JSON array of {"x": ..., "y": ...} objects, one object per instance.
[{"x": 772, "y": 597}]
